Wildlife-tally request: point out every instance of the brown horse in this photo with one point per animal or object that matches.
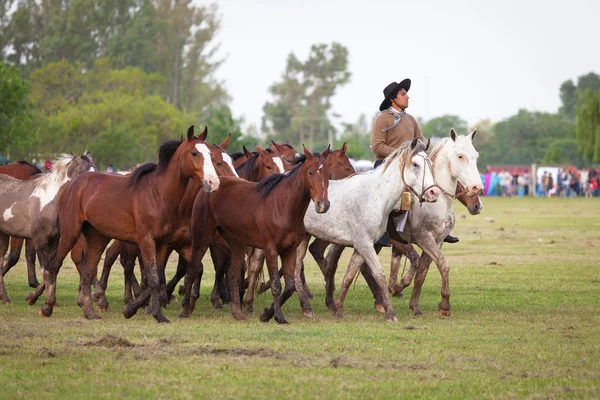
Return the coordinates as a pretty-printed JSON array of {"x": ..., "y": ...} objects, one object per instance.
[
  {"x": 21, "y": 170},
  {"x": 137, "y": 209},
  {"x": 270, "y": 218}
]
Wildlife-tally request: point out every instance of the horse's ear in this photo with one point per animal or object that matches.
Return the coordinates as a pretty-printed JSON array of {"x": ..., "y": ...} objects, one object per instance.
[
  {"x": 344, "y": 148},
  {"x": 190, "y": 134},
  {"x": 307, "y": 153},
  {"x": 226, "y": 142},
  {"x": 427, "y": 144},
  {"x": 327, "y": 150},
  {"x": 453, "y": 134},
  {"x": 473, "y": 134},
  {"x": 413, "y": 144},
  {"x": 204, "y": 134},
  {"x": 260, "y": 151},
  {"x": 276, "y": 147},
  {"x": 246, "y": 152}
]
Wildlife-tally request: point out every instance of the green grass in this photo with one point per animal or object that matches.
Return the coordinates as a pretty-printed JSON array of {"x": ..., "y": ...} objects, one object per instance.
[{"x": 525, "y": 324}]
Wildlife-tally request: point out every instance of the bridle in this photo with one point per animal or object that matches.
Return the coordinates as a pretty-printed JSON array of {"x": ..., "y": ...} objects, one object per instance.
[{"x": 427, "y": 163}]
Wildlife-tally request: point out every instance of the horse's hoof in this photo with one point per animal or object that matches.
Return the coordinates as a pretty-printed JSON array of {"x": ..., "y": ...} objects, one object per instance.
[
  {"x": 174, "y": 299},
  {"x": 309, "y": 314},
  {"x": 392, "y": 319},
  {"x": 445, "y": 313},
  {"x": 6, "y": 301},
  {"x": 31, "y": 299},
  {"x": 417, "y": 312},
  {"x": 103, "y": 308},
  {"x": 217, "y": 305},
  {"x": 92, "y": 316},
  {"x": 281, "y": 321},
  {"x": 46, "y": 311},
  {"x": 266, "y": 315},
  {"x": 185, "y": 313},
  {"x": 34, "y": 284},
  {"x": 239, "y": 316},
  {"x": 339, "y": 314},
  {"x": 128, "y": 311},
  {"x": 161, "y": 319},
  {"x": 379, "y": 308},
  {"x": 444, "y": 310}
]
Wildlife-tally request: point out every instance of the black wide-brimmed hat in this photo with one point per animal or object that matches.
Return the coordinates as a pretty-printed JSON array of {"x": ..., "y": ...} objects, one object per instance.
[{"x": 391, "y": 91}]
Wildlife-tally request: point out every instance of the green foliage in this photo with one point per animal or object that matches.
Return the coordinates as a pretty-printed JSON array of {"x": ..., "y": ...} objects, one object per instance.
[
  {"x": 14, "y": 111},
  {"x": 118, "y": 115},
  {"x": 588, "y": 124},
  {"x": 569, "y": 92},
  {"x": 221, "y": 123},
  {"x": 440, "y": 127},
  {"x": 564, "y": 152},
  {"x": 301, "y": 99},
  {"x": 358, "y": 137}
]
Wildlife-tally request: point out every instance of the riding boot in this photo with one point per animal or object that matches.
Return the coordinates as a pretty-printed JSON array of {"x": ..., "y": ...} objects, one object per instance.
[
  {"x": 384, "y": 240},
  {"x": 450, "y": 239}
]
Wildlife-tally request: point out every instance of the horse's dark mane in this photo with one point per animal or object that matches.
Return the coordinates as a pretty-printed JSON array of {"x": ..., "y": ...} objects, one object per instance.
[
  {"x": 248, "y": 166},
  {"x": 268, "y": 184},
  {"x": 139, "y": 172},
  {"x": 236, "y": 155},
  {"x": 289, "y": 146},
  {"x": 301, "y": 158},
  {"x": 35, "y": 167},
  {"x": 165, "y": 153}
]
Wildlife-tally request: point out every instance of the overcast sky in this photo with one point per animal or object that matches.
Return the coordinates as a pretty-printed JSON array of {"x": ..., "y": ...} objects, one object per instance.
[{"x": 474, "y": 59}]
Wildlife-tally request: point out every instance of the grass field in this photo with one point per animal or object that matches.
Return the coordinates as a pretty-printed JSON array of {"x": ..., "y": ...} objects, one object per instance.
[{"x": 525, "y": 284}]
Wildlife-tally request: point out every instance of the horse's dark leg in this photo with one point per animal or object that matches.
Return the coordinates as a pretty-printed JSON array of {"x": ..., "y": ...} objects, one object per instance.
[
  {"x": 221, "y": 258},
  {"x": 271, "y": 258},
  {"x": 110, "y": 257},
  {"x": 317, "y": 250},
  {"x": 296, "y": 269},
  {"x": 16, "y": 244},
  {"x": 409, "y": 252},
  {"x": 254, "y": 266},
  {"x": 182, "y": 266},
  {"x": 234, "y": 276},
  {"x": 422, "y": 268},
  {"x": 331, "y": 265},
  {"x": 151, "y": 253},
  {"x": 94, "y": 246},
  {"x": 4, "y": 241},
  {"x": 304, "y": 284},
  {"x": 30, "y": 258},
  {"x": 372, "y": 283},
  {"x": 289, "y": 268}
]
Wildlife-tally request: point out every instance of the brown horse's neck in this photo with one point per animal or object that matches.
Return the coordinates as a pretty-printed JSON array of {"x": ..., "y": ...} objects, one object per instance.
[
  {"x": 297, "y": 196},
  {"x": 171, "y": 182}
]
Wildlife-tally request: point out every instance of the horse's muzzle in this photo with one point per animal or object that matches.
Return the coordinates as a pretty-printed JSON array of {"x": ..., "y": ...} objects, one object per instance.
[
  {"x": 431, "y": 195},
  {"x": 321, "y": 206},
  {"x": 475, "y": 208},
  {"x": 211, "y": 184}
]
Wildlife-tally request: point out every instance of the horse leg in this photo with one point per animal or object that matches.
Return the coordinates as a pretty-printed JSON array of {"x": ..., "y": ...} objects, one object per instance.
[
  {"x": 372, "y": 282},
  {"x": 16, "y": 244},
  {"x": 303, "y": 294},
  {"x": 195, "y": 269},
  {"x": 410, "y": 253},
  {"x": 110, "y": 257},
  {"x": 353, "y": 268},
  {"x": 234, "y": 275},
  {"x": 433, "y": 249},
  {"x": 271, "y": 258},
  {"x": 394, "y": 268},
  {"x": 422, "y": 268},
  {"x": 255, "y": 265},
  {"x": 317, "y": 250},
  {"x": 182, "y": 266},
  {"x": 289, "y": 260},
  {"x": 30, "y": 258},
  {"x": 94, "y": 246},
  {"x": 331, "y": 264},
  {"x": 4, "y": 241},
  {"x": 221, "y": 258}
]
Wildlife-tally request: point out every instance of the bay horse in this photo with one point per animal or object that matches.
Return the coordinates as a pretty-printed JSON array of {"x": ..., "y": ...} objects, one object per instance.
[
  {"x": 23, "y": 170},
  {"x": 135, "y": 209},
  {"x": 454, "y": 160},
  {"x": 359, "y": 214},
  {"x": 29, "y": 209},
  {"x": 270, "y": 218},
  {"x": 340, "y": 167}
]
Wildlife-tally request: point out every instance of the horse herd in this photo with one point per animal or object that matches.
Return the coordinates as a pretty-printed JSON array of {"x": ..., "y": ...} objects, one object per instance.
[{"x": 246, "y": 208}]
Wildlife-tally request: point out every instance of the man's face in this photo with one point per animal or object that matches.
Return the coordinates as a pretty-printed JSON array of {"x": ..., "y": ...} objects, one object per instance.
[{"x": 401, "y": 99}]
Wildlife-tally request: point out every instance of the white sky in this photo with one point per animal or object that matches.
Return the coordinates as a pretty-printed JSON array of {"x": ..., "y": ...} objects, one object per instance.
[{"x": 474, "y": 59}]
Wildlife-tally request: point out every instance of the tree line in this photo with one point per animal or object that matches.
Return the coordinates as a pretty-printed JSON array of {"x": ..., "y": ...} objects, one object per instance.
[{"x": 118, "y": 77}]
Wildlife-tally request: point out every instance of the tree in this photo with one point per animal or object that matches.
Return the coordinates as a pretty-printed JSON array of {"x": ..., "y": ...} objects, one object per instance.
[
  {"x": 569, "y": 92},
  {"x": 588, "y": 124},
  {"x": 221, "y": 123},
  {"x": 302, "y": 97},
  {"x": 358, "y": 137},
  {"x": 14, "y": 111},
  {"x": 440, "y": 127}
]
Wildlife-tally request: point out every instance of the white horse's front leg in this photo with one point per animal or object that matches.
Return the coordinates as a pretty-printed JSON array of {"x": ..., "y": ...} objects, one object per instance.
[{"x": 433, "y": 250}]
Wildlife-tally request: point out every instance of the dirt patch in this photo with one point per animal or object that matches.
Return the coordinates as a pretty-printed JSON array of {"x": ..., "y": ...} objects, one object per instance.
[
  {"x": 493, "y": 263},
  {"x": 110, "y": 341}
]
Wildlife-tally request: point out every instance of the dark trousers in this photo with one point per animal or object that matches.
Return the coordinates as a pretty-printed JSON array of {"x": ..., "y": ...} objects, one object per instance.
[{"x": 377, "y": 163}]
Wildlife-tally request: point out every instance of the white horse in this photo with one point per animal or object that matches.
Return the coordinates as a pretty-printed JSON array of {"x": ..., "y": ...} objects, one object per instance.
[
  {"x": 358, "y": 215},
  {"x": 454, "y": 160}
]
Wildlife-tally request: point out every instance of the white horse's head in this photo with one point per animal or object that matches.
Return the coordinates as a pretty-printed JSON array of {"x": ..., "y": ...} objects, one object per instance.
[
  {"x": 462, "y": 161},
  {"x": 416, "y": 167}
]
